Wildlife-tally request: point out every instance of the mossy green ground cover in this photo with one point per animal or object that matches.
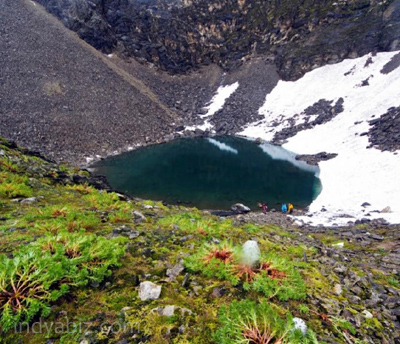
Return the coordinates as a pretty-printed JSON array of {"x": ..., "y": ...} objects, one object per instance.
[{"x": 79, "y": 273}]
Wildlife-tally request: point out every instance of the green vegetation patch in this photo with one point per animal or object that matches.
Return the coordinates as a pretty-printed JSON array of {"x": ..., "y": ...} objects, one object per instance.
[
  {"x": 195, "y": 222},
  {"x": 273, "y": 275},
  {"x": 251, "y": 322},
  {"x": 13, "y": 185},
  {"x": 43, "y": 271}
]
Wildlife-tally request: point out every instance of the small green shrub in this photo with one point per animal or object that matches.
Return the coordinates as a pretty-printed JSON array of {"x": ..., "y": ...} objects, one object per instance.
[
  {"x": 340, "y": 324},
  {"x": 7, "y": 165},
  {"x": 65, "y": 217},
  {"x": 121, "y": 216},
  {"x": 83, "y": 189},
  {"x": 13, "y": 185},
  {"x": 304, "y": 309},
  {"x": 394, "y": 281},
  {"x": 250, "y": 322},
  {"x": 93, "y": 254},
  {"x": 43, "y": 271},
  {"x": 103, "y": 200},
  {"x": 197, "y": 223}
]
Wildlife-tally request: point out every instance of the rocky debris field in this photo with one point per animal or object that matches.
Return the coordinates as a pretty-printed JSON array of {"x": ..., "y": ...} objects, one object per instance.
[
  {"x": 62, "y": 97},
  {"x": 172, "y": 274},
  {"x": 76, "y": 103},
  {"x": 316, "y": 158},
  {"x": 319, "y": 113},
  {"x": 385, "y": 131}
]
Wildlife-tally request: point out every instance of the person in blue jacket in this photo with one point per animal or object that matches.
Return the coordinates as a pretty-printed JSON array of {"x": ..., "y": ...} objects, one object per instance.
[{"x": 284, "y": 208}]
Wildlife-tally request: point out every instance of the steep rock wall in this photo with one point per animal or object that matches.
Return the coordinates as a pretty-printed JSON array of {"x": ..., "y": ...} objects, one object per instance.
[{"x": 177, "y": 36}]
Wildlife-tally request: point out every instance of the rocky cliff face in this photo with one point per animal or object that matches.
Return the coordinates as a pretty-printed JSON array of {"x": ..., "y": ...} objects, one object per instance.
[{"x": 178, "y": 36}]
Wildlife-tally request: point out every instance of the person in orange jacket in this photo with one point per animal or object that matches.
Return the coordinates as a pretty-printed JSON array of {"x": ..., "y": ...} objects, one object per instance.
[{"x": 290, "y": 208}]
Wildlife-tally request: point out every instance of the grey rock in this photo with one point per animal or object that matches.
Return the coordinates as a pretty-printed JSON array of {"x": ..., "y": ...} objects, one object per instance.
[
  {"x": 240, "y": 208},
  {"x": 386, "y": 210},
  {"x": 29, "y": 200},
  {"x": 186, "y": 282},
  {"x": 149, "y": 291},
  {"x": 133, "y": 234},
  {"x": 218, "y": 292},
  {"x": 169, "y": 311},
  {"x": 377, "y": 237},
  {"x": 139, "y": 217},
  {"x": 337, "y": 289},
  {"x": 175, "y": 271},
  {"x": 316, "y": 158},
  {"x": 357, "y": 290},
  {"x": 367, "y": 314}
]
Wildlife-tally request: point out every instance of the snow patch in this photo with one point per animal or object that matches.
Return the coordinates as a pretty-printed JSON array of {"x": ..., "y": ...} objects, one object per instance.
[
  {"x": 218, "y": 101},
  {"x": 223, "y": 146},
  {"x": 357, "y": 174},
  {"x": 216, "y": 104}
]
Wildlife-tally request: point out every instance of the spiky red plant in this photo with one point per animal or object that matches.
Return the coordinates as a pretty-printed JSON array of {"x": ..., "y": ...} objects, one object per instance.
[
  {"x": 59, "y": 213},
  {"x": 272, "y": 272},
  {"x": 19, "y": 290},
  {"x": 225, "y": 255},
  {"x": 201, "y": 231},
  {"x": 248, "y": 272},
  {"x": 255, "y": 335},
  {"x": 245, "y": 272}
]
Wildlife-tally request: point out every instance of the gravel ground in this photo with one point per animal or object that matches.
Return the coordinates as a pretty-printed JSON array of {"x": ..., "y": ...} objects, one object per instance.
[{"x": 62, "y": 97}]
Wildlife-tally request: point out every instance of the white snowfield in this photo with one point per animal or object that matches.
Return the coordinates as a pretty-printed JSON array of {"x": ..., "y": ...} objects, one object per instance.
[
  {"x": 216, "y": 104},
  {"x": 357, "y": 174}
]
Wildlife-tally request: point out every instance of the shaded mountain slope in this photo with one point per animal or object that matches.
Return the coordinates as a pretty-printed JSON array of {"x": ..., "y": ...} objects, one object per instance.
[
  {"x": 61, "y": 96},
  {"x": 178, "y": 36}
]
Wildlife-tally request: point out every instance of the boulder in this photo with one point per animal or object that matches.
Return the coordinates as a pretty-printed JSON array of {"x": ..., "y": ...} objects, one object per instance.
[
  {"x": 240, "y": 208},
  {"x": 175, "y": 271},
  {"x": 29, "y": 200},
  {"x": 149, "y": 291},
  {"x": 139, "y": 217},
  {"x": 337, "y": 289},
  {"x": 171, "y": 310},
  {"x": 367, "y": 314}
]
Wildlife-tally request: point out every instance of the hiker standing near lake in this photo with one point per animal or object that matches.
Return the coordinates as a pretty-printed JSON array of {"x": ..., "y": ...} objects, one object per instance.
[
  {"x": 284, "y": 208},
  {"x": 264, "y": 207}
]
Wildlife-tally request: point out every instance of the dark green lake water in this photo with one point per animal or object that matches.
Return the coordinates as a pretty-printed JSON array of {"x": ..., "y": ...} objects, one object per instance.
[{"x": 213, "y": 174}]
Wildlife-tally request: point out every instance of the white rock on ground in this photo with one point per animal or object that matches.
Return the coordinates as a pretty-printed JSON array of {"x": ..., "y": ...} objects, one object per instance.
[
  {"x": 300, "y": 324},
  {"x": 251, "y": 253},
  {"x": 149, "y": 291}
]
